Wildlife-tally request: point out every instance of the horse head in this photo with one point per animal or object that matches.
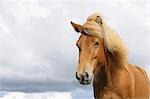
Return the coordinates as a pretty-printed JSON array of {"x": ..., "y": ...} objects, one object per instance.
[{"x": 91, "y": 49}]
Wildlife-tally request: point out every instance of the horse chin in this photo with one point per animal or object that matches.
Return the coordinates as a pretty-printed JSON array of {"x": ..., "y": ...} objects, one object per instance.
[{"x": 85, "y": 82}]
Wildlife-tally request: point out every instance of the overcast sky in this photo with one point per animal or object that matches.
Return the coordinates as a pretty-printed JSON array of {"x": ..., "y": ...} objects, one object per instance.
[{"x": 37, "y": 42}]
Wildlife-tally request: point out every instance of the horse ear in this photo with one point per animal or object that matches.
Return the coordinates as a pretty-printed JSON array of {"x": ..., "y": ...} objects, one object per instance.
[
  {"x": 77, "y": 27},
  {"x": 99, "y": 20}
]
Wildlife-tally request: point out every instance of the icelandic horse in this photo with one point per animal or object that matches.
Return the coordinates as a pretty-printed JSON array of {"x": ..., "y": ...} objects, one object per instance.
[{"x": 103, "y": 60}]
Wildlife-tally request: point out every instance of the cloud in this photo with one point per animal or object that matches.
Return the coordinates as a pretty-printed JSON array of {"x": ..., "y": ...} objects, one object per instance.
[
  {"x": 47, "y": 95},
  {"x": 74, "y": 94},
  {"x": 37, "y": 42}
]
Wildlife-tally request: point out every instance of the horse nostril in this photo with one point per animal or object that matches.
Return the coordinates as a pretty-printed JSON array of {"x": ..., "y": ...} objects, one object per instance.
[
  {"x": 77, "y": 76},
  {"x": 86, "y": 74}
]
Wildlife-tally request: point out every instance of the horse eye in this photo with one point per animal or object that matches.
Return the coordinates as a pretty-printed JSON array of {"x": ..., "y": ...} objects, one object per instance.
[{"x": 96, "y": 45}]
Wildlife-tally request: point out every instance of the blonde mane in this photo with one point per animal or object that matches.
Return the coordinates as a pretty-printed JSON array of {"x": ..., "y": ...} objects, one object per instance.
[{"x": 96, "y": 26}]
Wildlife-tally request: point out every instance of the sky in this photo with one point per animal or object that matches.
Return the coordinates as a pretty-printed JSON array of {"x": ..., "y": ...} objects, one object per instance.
[{"x": 37, "y": 42}]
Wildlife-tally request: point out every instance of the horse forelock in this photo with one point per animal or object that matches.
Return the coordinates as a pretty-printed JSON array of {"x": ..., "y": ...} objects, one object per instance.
[{"x": 93, "y": 29}]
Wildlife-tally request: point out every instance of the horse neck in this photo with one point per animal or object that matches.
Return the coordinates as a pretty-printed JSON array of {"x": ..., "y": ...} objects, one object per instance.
[
  {"x": 102, "y": 80},
  {"x": 102, "y": 76},
  {"x": 107, "y": 73}
]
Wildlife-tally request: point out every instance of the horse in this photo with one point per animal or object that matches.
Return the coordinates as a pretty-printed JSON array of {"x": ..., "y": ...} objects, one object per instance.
[{"x": 103, "y": 60}]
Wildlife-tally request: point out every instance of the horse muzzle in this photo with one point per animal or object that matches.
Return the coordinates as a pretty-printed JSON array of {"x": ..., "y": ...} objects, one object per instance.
[{"x": 84, "y": 78}]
